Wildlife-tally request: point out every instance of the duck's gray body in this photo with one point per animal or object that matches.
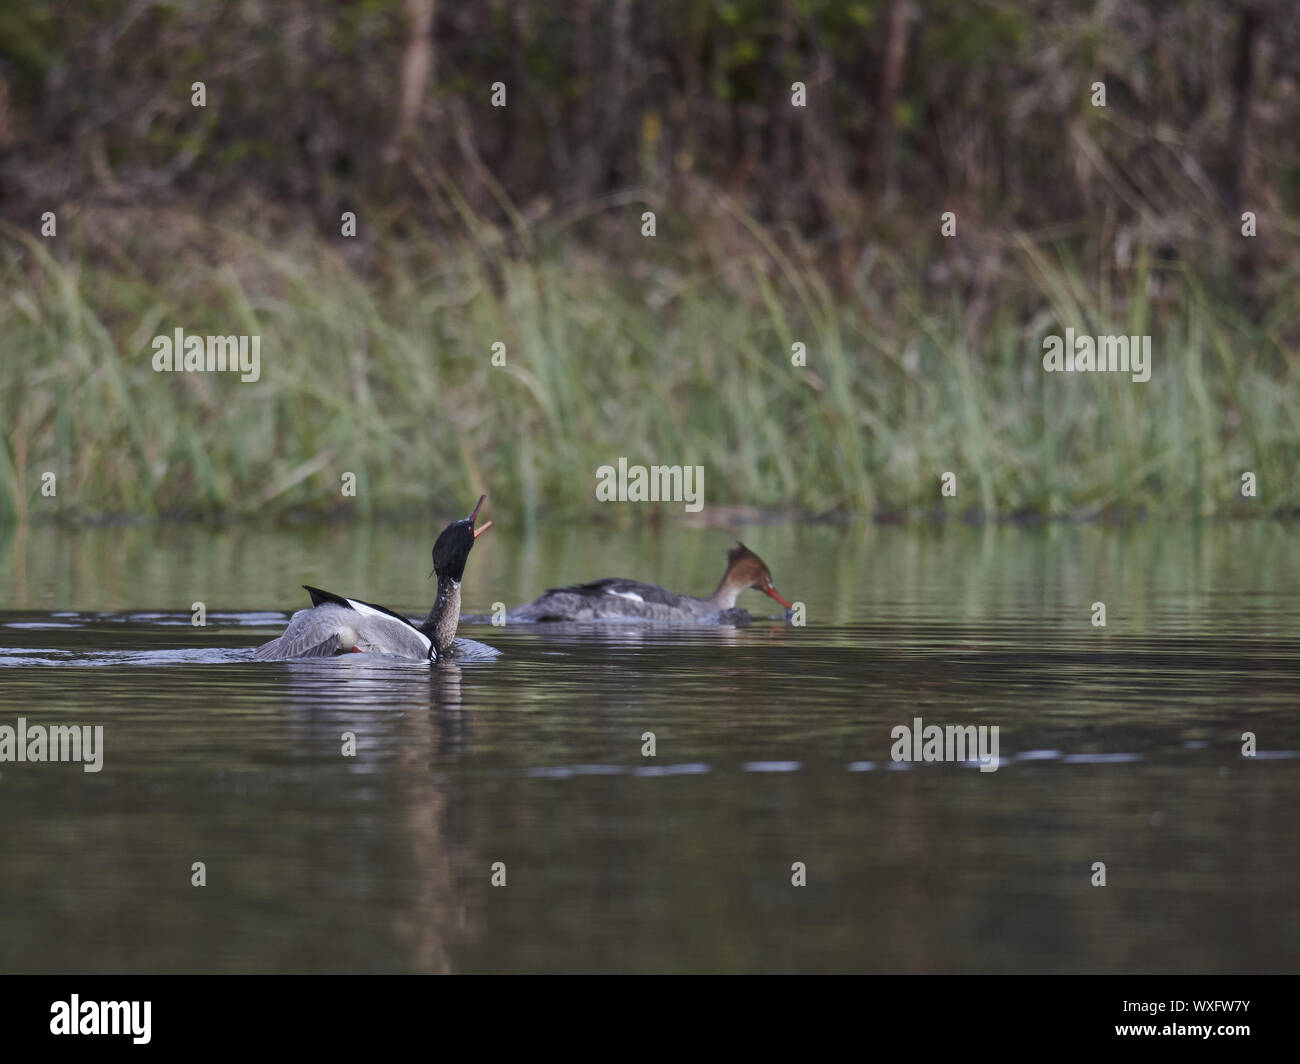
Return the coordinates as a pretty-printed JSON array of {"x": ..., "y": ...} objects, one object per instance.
[
  {"x": 335, "y": 625},
  {"x": 618, "y": 599}
]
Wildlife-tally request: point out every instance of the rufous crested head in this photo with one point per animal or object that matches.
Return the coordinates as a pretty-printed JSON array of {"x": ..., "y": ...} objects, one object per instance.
[{"x": 746, "y": 569}]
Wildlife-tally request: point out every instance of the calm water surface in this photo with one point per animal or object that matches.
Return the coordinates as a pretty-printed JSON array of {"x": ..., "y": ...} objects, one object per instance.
[{"x": 1119, "y": 744}]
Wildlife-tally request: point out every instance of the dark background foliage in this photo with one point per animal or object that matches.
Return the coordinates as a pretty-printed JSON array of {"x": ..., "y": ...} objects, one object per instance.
[{"x": 978, "y": 107}]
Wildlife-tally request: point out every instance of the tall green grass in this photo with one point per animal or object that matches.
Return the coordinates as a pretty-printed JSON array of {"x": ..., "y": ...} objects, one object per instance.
[{"x": 381, "y": 366}]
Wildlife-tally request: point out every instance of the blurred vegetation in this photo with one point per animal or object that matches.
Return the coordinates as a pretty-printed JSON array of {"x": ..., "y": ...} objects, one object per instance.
[{"x": 775, "y": 223}]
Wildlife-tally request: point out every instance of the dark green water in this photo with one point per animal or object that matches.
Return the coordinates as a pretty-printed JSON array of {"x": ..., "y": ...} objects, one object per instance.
[{"x": 1120, "y": 745}]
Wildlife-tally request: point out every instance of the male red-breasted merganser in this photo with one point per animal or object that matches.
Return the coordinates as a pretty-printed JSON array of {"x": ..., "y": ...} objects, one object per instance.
[
  {"x": 616, "y": 599},
  {"x": 338, "y": 625}
]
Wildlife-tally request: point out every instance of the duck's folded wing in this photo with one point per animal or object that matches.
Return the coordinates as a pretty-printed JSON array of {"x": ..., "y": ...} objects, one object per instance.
[
  {"x": 325, "y": 598},
  {"x": 632, "y": 590},
  {"x": 328, "y": 598}
]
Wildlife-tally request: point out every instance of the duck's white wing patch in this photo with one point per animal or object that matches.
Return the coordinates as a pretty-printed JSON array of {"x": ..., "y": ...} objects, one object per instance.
[
  {"x": 392, "y": 638},
  {"x": 383, "y": 628},
  {"x": 625, "y": 594},
  {"x": 404, "y": 634},
  {"x": 367, "y": 610}
]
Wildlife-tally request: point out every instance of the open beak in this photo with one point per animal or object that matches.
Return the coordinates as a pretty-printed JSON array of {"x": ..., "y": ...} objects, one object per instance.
[
  {"x": 482, "y": 528},
  {"x": 772, "y": 591}
]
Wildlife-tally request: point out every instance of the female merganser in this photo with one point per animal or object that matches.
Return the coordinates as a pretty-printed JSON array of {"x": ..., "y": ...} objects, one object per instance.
[
  {"x": 614, "y": 599},
  {"x": 338, "y": 625}
]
